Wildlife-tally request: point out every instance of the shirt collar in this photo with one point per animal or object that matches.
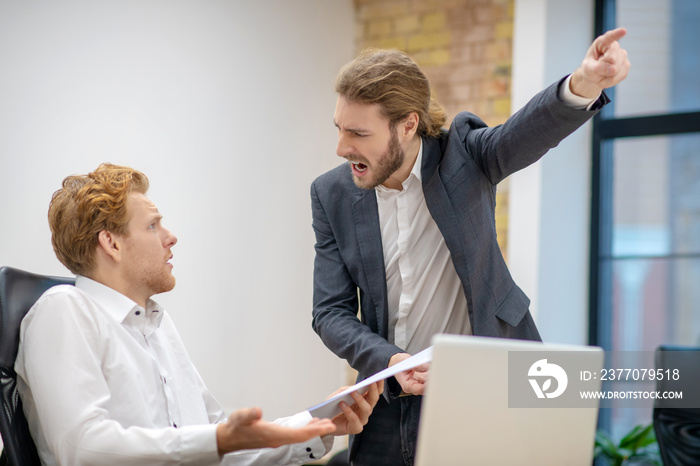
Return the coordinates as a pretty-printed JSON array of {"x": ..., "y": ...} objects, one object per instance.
[
  {"x": 116, "y": 304},
  {"x": 418, "y": 164}
]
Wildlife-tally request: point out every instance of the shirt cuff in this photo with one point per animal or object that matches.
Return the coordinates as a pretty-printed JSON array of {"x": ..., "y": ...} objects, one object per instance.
[
  {"x": 297, "y": 453},
  {"x": 573, "y": 100},
  {"x": 316, "y": 447},
  {"x": 313, "y": 449},
  {"x": 198, "y": 445}
]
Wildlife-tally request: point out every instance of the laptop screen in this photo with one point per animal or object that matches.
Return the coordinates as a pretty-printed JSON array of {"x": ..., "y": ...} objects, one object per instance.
[{"x": 492, "y": 401}]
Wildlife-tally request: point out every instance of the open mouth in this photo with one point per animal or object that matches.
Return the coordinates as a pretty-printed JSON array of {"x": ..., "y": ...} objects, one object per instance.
[{"x": 359, "y": 167}]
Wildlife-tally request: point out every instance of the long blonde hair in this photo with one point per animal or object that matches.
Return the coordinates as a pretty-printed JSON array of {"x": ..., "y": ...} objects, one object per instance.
[{"x": 393, "y": 80}]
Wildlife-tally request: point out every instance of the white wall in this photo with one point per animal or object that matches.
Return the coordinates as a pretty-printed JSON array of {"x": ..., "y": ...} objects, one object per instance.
[
  {"x": 227, "y": 107},
  {"x": 549, "y": 203}
]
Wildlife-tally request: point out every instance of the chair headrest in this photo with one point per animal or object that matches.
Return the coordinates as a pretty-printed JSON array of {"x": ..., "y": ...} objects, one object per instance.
[{"x": 19, "y": 290}]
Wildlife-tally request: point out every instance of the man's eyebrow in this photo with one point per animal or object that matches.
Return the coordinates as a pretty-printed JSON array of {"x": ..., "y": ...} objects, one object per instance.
[{"x": 352, "y": 130}]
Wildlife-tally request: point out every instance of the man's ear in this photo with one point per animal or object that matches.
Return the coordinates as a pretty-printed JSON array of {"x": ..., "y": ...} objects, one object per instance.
[
  {"x": 409, "y": 126},
  {"x": 110, "y": 244}
]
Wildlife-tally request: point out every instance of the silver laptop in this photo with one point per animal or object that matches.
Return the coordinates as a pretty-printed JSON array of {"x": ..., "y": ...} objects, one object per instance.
[{"x": 508, "y": 402}]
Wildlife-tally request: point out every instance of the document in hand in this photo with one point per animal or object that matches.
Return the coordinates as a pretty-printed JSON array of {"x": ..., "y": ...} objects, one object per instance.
[{"x": 330, "y": 408}]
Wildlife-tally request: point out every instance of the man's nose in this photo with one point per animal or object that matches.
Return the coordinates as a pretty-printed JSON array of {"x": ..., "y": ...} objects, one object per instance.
[
  {"x": 344, "y": 148},
  {"x": 170, "y": 239}
]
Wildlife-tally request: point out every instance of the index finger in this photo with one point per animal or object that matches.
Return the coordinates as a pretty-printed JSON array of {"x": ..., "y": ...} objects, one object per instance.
[
  {"x": 340, "y": 390},
  {"x": 315, "y": 428},
  {"x": 604, "y": 41},
  {"x": 373, "y": 395},
  {"x": 425, "y": 367},
  {"x": 380, "y": 386}
]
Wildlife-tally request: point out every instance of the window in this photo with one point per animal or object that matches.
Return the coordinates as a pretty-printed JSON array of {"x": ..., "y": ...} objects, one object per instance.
[{"x": 645, "y": 228}]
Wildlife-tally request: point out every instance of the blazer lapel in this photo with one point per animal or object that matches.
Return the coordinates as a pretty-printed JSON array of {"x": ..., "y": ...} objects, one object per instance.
[
  {"x": 434, "y": 192},
  {"x": 369, "y": 237},
  {"x": 440, "y": 207}
]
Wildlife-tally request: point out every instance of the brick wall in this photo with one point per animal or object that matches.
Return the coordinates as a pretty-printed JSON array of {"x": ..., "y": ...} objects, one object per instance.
[{"x": 463, "y": 46}]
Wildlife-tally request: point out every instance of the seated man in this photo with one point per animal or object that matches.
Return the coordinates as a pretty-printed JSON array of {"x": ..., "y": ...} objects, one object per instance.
[{"x": 101, "y": 369}]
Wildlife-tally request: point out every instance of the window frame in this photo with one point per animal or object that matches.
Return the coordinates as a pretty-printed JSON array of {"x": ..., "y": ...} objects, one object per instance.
[{"x": 606, "y": 129}]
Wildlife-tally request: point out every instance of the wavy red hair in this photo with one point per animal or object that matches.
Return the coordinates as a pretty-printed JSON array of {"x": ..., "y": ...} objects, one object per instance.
[{"x": 86, "y": 205}]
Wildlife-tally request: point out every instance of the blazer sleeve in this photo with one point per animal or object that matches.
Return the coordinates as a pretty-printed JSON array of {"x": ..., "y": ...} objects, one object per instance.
[
  {"x": 525, "y": 137},
  {"x": 336, "y": 302}
]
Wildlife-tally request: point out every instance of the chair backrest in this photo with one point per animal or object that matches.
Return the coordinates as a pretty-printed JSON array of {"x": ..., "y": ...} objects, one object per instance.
[
  {"x": 677, "y": 421},
  {"x": 19, "y": 290}
]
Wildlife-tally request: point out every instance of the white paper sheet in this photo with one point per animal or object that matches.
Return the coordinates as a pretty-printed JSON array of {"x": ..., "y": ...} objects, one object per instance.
[{"x": 330, "y": 408}]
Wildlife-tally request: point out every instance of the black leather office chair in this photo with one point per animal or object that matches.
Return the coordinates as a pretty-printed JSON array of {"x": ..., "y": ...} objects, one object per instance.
[
  {"x": 677, "y": 421},
  {"x": 19, "y": 290}
]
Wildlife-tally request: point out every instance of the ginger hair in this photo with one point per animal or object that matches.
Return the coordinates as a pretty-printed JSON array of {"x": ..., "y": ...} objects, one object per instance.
[{"x": 86, "y": 205}]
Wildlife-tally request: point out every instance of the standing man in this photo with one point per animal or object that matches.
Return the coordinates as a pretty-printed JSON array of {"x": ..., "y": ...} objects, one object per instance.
[
  {"x": 405, "y": 230},
  {"x": 101, "y": 370}
]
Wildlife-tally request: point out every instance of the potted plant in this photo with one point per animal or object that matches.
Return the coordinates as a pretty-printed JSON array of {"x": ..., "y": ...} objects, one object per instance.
[{"x": 637, "y": 448}]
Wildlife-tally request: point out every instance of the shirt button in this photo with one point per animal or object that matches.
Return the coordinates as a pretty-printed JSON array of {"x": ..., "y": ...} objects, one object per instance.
[
  {"x": 138, "y": 313},
  {"x": 174, "y": 425}
]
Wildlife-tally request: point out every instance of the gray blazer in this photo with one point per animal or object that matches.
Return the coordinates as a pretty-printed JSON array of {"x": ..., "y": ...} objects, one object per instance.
[{"x": 460, "y": 171}]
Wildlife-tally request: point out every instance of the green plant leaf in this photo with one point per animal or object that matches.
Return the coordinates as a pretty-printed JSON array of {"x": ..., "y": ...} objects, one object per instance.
[
  {"x": 597, "y": 451},
  {"x": 606, "y": 447},
  {"x": 650, "y": 458},
  {"x": 639, "y": 443},
  {"x": 625, "y": 453},
  {"x": 639, "y": 437},
  {"x": 632, "y": 436}
]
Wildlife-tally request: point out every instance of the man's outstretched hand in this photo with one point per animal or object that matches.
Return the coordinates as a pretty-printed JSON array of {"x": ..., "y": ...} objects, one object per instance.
[
  {"x": 245, "y": 430},
  {"x": 604, "y": 65}
]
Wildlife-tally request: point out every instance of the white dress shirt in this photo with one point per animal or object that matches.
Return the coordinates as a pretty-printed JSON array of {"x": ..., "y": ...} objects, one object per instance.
[
  {"x": 104, "y": 381},
  {"x": 424, "y": 292}
]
